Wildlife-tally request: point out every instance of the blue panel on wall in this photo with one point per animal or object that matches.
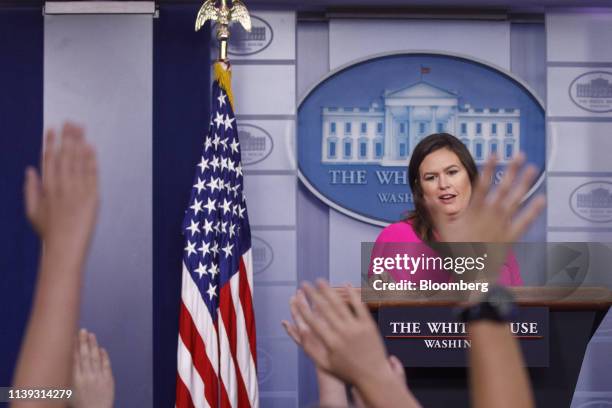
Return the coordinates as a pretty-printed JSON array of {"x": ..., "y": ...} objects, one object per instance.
[
  {"x": 181, "y": 99},
  {"x": 277, "y": 361},
  {"x": 21, "y": 115},
  {"x": 271, "y": 307}
]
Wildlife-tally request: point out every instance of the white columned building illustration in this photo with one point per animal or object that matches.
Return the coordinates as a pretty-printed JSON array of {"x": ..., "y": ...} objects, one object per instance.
[{"x": 385, "y": 134}]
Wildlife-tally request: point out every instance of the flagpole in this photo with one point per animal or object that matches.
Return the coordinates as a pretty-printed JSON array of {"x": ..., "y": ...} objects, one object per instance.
[{"x": 223, "y": 31}]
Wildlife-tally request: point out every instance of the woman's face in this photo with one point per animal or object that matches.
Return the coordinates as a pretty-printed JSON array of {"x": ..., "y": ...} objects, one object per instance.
[{"x": 445, "y": 184}]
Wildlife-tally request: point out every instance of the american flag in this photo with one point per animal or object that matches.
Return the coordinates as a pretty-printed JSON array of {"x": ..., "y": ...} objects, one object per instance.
[{"x": 216, "y": 345}]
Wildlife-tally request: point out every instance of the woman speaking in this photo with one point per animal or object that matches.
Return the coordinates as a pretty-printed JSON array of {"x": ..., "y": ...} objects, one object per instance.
[{"x": 442, "y": 175}]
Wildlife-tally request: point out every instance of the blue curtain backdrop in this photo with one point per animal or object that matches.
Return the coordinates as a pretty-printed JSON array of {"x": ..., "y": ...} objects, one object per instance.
[
  {"x": 21, "y": 116},
  {"x": 181, "y": 99}
]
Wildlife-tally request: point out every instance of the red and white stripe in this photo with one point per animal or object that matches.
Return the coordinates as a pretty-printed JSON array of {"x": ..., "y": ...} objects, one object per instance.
[
  {"x": 217, "y": 363},
  {"x": 238, "y": 366}
]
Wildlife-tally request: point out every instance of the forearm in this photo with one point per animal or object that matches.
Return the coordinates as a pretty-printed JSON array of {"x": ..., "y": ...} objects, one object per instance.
[
  {"x": 386, "y": 390},
  {"x": 46, "y": 354},
  {"x": 332, "y": 392},
  {"x": 494, "y": 349}
]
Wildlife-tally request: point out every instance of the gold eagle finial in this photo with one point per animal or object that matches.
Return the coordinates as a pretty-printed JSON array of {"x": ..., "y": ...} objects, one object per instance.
[{"x": 224, "y": 16}]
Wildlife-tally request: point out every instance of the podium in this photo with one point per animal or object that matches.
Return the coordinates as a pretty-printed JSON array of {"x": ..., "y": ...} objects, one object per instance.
[{"x": 574, "y": 315}]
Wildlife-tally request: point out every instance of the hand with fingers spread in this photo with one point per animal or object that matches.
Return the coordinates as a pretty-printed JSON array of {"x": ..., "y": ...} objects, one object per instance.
[
  {"x": 332, "y": 392},
  {"x": 490, "y": 216},
  {"x": 345, "y": 333},
  {"x": 93, "y": 382},
  {"x": 353, "y": 349},
  {"x": 63, "y": 203},
  {"x": 302, "y": 334}
]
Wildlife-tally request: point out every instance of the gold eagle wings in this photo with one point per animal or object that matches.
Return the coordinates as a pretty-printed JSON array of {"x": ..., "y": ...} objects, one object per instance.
[{"x": 209, "y": 11}]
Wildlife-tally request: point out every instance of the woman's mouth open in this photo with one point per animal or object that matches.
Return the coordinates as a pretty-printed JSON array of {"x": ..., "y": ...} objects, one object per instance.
[{"x": 447, "y": 198}]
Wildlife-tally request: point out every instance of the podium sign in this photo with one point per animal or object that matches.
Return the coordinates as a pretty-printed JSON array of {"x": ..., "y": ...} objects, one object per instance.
[{"x": 433, "y": 337}]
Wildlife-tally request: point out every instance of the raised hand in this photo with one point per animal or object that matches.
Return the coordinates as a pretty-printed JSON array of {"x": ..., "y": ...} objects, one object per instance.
[
  {"x": 355, "y": 352},
  {"x": 302, "y": 334},
  {"x": 92, "y": 375},
  {"x": 490, "y": 216},
  {"x": 346, "y": 331},
  {"x": 64, "y": 202},
  {"x": 332, "y": 391}
]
